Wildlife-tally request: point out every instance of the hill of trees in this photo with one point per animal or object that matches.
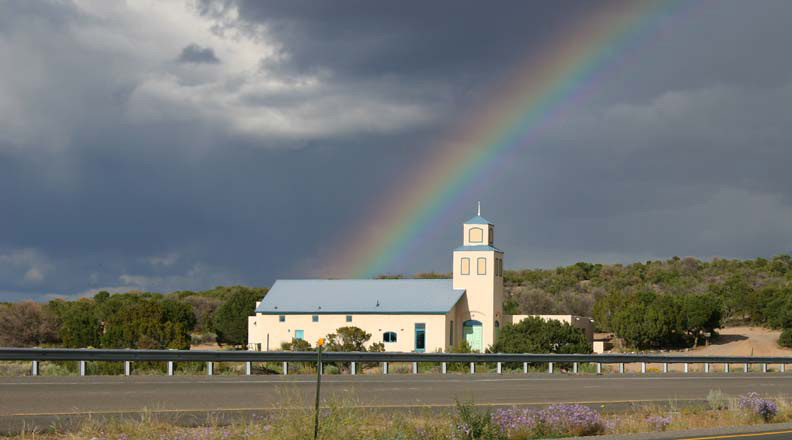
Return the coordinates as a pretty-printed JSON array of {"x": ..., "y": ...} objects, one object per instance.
[{"x": 660, "y": 304}]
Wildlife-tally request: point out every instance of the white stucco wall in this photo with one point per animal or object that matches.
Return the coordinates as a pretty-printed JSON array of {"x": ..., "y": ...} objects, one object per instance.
[
  {"x": 264, "y": 329},
  {"x": 484, "y": 293}
]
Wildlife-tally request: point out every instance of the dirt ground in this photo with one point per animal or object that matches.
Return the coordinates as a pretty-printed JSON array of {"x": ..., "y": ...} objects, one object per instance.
[
  {"x": 732, "y": 341},
  {"x": 744, "y": 341},
  {"x": 212, "y": 347}
]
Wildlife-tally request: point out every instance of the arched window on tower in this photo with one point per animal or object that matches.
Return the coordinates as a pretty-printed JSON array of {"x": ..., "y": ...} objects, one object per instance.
[
  {"x": 465, "y": 266},
  {"x": 476, "y": 235},
  {"x": 481, "y": 264}
]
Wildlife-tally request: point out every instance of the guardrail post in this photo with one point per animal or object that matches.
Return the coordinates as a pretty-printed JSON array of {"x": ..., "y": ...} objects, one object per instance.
[
  {"x": 34, "y": 368},
  {"x": 445, "y": 368},
  {"x": 665, "y": 367},
  {"x": 783, "y": 367},
  {"x": 415, "y": 367},
  {"x": 385, "y": 367},
  {"x": 499, "y": 368},
  {"x": 686, "y": 367},
  {"x": 745, "y": 367},
  {"x": 352, "y": 368},
  {"x": 764, "y": 368},
  {"x": 472, "y": 368},
  {"x": 550, "y": 367},
  {"x": 285, "y": 368},
  {"x": 170, "y": 368},
  {"x": 248, "y": 368},
  {"x": 574, "y": 368},
  {"x": 127, "y": 368},
  {"x": 210, "y": 368},
  {"x": 726, "y": 367},
  {"x": 82, "y": 368},
  {"x": 621, "y": 368},
  {"x": 643, "y": 367},
  {"x": 706, "y": 367},
  {"x": 525, "y": 367},
  {"x": 599, "y": 367}
]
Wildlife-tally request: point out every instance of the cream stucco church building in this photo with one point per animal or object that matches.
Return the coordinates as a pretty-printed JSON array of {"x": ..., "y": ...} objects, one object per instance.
[{"x": 405, "y": 315}]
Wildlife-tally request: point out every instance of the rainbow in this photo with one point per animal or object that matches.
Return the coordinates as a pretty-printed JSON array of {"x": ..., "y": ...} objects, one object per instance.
[{"x": 537, "y": 88}]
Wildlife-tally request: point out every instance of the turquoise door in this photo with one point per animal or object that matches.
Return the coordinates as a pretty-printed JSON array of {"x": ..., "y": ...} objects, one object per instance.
[
  {"x": 473, "y": 332},
  {"x": 298, "y": 334},
  {"x": 420, "y": 337}
]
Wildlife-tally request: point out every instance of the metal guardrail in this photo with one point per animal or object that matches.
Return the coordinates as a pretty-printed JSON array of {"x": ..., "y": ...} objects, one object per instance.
[{"x": 36, "y": 355}]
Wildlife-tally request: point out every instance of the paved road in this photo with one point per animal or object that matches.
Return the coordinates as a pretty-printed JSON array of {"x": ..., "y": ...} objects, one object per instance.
[
  {"x": 38, "y": 397},
  {"x": 35, "y": 395}
]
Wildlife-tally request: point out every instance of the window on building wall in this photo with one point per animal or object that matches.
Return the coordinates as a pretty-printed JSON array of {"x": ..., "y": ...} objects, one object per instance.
[
  {"x": 481, "y": 264},
  {"x": 298, "y": 334},
  {"x": 465, "y": 266},
  {"x": 389, "y": 337},
  {"x": 282, "y": 318},
  {"x": 476, "y": 235},
  {"x": 420, "y": 336},
  {"x": 349, "y": 318},
  {"x": 491, "y": 235},
  {"x": 315, "y": 318}
]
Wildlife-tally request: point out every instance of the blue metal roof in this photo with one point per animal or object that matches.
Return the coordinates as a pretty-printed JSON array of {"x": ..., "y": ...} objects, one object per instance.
[
  {"x": 478, "y": 248},
  {"x": 360, "y": 296},
  {"x": 478, "y": 220}
]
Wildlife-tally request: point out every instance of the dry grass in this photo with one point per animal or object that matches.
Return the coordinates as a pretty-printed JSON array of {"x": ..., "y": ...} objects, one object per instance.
[
  {"x": 694, "y": 417},
  {"x": 343, "y": 418}
]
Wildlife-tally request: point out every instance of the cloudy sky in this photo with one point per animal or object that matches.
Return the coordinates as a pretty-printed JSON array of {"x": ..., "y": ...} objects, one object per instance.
[{"x": 163, "y": 145}]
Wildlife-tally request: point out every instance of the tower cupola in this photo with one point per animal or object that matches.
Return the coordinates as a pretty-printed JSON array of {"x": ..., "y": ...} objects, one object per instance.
[{"x": 478, "y": 231}]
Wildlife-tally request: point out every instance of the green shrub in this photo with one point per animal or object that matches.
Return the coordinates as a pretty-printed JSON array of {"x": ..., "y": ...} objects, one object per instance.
[
  {"x": 473, "y": 424},
  {"x": 535, "y": 335},
  {"x": 230, "y": 320},
  {"x": 786, "y": 338}
]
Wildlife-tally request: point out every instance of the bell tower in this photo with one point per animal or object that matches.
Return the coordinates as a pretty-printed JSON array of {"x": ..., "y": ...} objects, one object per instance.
[{"x": 478, "y": 268}]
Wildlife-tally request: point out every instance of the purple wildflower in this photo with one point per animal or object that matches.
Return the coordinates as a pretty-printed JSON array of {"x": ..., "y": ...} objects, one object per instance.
[
  {"x": 555, "y": 420},
  {"x": 658, "y": 423},
  {"x": 764, "y": 408}
]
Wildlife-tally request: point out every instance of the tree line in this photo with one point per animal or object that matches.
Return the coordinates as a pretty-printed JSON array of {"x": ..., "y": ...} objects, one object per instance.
[{"x": 139, "y": 320}]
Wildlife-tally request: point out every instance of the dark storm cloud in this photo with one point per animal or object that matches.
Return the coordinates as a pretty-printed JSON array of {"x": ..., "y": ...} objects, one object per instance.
[
  {"x": 194, "y": 53},
  {"x": 425, "y": 39},
  {"x": 122, "y": 169}
]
